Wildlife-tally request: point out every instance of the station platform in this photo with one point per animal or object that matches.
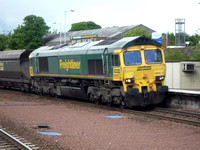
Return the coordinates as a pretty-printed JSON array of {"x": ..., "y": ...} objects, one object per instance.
[
  {"x": 183, "y": 98},
  {"x": 185, "y": 91}
]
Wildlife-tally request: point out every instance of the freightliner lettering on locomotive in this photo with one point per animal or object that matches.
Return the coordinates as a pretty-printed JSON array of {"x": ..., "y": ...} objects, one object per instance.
[{"x": 127, "y": 72}]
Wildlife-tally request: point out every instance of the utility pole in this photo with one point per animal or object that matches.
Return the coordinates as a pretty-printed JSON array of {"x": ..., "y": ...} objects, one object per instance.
[
  {"x": 65, "y": 38},
  {"x": 60, "y": 31}
]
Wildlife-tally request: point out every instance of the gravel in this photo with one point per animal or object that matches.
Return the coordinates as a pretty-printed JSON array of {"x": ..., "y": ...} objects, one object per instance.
[{"x": 85, "y": 127}]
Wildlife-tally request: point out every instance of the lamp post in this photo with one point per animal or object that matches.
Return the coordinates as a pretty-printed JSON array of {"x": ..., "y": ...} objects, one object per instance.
[
  {"x": 60, "y": 31},
  {"x": 166, "y": 40},
  {"x": 65, "y": 38}
]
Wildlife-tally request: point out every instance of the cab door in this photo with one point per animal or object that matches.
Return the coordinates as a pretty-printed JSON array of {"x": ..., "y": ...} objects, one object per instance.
[
  {"x": 37, "y": 63},
  {"x": 115, "y": 66},
  {"x": 106, "y": 63}
]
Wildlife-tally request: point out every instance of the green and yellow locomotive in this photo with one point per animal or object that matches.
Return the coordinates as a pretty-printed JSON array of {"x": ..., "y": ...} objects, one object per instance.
[{"x": 127, "y": 72}]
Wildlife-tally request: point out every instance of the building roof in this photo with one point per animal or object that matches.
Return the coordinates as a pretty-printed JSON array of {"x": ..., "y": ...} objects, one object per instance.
[{"x": 109, "y": 33}]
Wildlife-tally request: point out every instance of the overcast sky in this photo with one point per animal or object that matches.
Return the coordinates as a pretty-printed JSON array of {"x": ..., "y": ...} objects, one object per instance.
[{"x": 158, "y": 15}]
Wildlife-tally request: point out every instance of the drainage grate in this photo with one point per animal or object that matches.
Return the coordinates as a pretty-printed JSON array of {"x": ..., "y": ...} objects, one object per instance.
[{"x": 41, "y": 126}]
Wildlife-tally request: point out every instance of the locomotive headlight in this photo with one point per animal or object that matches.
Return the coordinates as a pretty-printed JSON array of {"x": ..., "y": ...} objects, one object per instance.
[
  {"x": 160, "y": 78},
  {"x": 129, "y": 80}
]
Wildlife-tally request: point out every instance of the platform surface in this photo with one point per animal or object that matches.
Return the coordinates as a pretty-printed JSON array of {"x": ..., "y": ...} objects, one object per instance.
[{"x": 185, "y": 91}]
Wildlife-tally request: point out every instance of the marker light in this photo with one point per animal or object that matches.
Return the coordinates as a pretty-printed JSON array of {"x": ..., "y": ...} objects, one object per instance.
[
  {"x": 129, "y": 80},
  {"x": 160, "y": 78}
]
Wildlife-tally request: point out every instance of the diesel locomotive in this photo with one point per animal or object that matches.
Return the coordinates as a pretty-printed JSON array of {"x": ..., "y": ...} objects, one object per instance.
[{"x": 127, "y": 72}]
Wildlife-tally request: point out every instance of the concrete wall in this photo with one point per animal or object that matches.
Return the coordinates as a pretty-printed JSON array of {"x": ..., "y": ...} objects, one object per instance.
[
  {"x": 177, "y": 100},
  {"x": 177, "y": 78},
  {"x": 172, "y": 79}
]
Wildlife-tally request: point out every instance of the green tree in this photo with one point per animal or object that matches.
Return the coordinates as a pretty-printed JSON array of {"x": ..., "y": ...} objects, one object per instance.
[
  {"x": 171, "y": 38},
  {"x": 84, "y": 26},
  {"x": 139, "y": 31},
  {"x": 194, "y": 39},
  {"x": 3, "y": 41},
  {"x": 30, "y": 34},
  {"x": 175, "y": 54}
]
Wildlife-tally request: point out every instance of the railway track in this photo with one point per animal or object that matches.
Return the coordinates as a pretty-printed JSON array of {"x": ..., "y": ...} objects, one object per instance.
[
  {"x": 9, "y": 142},
  {"x": 172, "y": 115},
  {"x": 179, "y": 116},
  {"x": 185, "y": 117}
]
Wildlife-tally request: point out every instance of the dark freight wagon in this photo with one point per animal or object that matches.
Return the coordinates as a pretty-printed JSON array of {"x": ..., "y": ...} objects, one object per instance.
[{"x": 14, "y": 68}]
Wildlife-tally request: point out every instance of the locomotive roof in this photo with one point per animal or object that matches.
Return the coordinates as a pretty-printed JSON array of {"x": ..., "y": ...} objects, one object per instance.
[{"x": 94, "y": 47}]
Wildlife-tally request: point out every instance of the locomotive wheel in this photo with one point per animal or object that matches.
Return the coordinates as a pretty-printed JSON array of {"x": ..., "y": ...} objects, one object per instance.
[
  {"x": 42, "y": 92},
  {"x": 27, "y": 90},
  {"x": 51, "y": 94},
  {"x": 91, "y": 97},
  {"x": 98, "y": 101},
  {"x": 22, "y": 88},
  {"x": 109, "y": 104},
  {"x": 122, "y": 105}
]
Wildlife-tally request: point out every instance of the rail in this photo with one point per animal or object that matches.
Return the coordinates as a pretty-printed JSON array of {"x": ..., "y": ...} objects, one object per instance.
[
  {"x": 7, "y": 141},
  {"x": 179, "y": 116},
  {"x": 169, "y": 114}
]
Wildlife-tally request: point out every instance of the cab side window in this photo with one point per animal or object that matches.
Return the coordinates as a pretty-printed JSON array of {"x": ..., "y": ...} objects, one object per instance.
[
  {"x": 43, "y": 64},
  {"x": 115, "y": 60}
]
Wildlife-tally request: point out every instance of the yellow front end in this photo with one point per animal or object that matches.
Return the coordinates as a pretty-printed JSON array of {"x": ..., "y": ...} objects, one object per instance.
[{"x": 142, "y": 68}]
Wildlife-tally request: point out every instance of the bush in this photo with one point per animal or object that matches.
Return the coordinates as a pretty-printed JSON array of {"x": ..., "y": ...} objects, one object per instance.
[
  {"x": 196, "y": 54},
  {"x": 175, "y": 54}
]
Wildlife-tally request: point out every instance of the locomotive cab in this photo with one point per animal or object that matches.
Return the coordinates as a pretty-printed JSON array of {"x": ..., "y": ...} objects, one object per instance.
[{"x": 143, "y": 75}]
